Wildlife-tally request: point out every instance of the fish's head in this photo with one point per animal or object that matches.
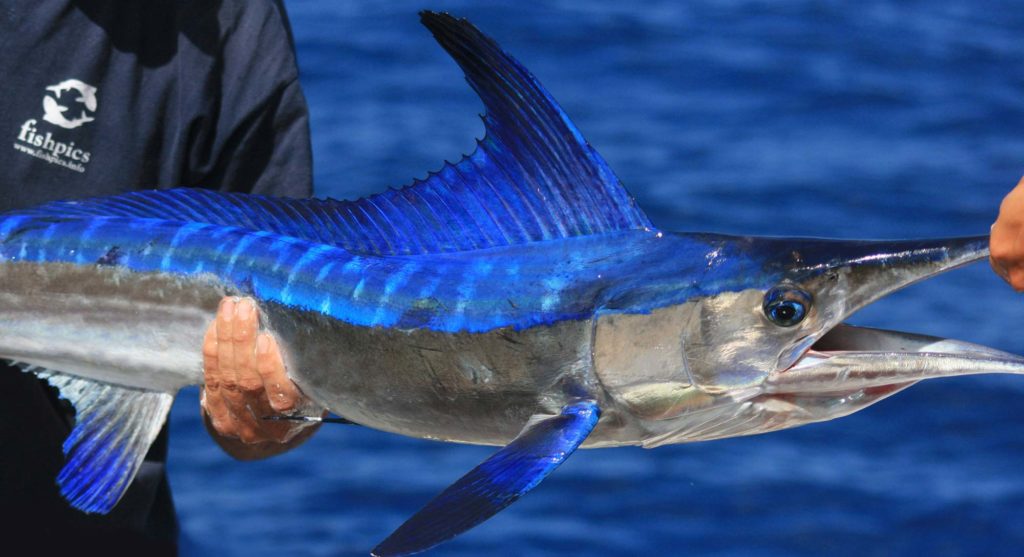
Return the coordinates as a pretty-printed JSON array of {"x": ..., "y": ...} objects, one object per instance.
[{"x": 759, "y": 342}]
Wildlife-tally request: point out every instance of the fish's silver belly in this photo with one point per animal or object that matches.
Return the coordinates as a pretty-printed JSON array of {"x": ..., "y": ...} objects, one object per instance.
[
  {"x": 465, "y": 387},
  {"x": 141, "y": 330}
]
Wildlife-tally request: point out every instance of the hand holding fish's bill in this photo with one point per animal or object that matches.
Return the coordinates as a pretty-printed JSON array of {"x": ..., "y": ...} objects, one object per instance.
[
  {"x": 1006, "y": 243},
  {"x": 245, "y": 382}
]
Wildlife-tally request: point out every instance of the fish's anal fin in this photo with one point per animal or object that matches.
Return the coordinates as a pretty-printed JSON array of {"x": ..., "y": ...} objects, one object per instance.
[
  {"x": 497, "y": 482},
  {"x": 114, "y": 427}
]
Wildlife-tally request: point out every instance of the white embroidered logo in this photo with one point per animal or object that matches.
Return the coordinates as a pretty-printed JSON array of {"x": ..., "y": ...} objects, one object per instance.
[
  {"x": 81, "y": 107},
  {"x": 69, "y": 104}
]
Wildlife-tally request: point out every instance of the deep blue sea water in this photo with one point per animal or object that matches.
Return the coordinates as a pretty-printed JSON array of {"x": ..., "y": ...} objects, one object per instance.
[{"x": 844, "y": 119}]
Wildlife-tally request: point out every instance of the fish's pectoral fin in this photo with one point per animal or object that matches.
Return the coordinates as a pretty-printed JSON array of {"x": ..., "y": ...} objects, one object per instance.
[
  {"x": 114, "y": 427},
  {"x": 497, "y": 482}
]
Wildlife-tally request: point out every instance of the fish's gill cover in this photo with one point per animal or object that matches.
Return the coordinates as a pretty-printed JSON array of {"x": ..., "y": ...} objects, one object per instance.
[{"x": 532, "y": 177}]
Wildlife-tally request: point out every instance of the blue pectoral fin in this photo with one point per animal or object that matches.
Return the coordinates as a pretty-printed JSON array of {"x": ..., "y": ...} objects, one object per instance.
[
  {"x": 496, "y": 483},
  {"x": 114, "y": 427}
]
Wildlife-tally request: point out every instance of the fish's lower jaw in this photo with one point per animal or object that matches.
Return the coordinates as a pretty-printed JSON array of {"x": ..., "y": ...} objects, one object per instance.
[
  {"x": 851, "y": 359},
  {"x": 864, "y": 370}
]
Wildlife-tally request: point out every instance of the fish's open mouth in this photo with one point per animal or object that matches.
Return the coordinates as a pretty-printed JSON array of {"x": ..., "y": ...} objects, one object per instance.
[{"x": 856, "y": 359}]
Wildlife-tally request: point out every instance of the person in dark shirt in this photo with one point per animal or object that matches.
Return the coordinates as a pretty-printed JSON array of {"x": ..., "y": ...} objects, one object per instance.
[{"x": 104, "y": 97}]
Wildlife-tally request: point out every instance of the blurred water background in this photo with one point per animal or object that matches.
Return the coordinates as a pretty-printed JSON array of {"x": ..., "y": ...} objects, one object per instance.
[{"x": 870, "y": 119}]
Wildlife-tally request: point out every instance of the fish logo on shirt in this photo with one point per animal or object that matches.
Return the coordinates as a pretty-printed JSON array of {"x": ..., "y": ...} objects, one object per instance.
[{"x": 84, "y": 104}]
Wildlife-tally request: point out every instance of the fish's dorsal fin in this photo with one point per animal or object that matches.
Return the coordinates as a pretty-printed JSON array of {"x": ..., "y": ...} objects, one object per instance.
[
  {"x": 532, "y": 177},
  {"x": 533, "y": 174}
]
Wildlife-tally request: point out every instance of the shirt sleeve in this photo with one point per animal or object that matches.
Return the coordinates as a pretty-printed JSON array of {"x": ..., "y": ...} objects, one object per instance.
[
  {"x": 269, "y": 153},
  {"x": 262, "y": 142}
]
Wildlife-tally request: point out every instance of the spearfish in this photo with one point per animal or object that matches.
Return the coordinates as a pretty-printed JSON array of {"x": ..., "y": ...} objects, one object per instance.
[{"x": 517, "y": 298}]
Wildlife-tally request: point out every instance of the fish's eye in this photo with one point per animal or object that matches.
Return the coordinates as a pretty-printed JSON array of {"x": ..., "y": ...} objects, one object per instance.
[{"x": 786, "y": 306}]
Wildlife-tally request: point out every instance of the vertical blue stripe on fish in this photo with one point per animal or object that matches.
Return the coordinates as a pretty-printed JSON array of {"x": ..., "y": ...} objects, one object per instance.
[
  {"x": 180, "y": 235},
  {"x": 309, "y": 258},
  {"x": 391, "y": 286},
  {"x": 47, "y": 238}
]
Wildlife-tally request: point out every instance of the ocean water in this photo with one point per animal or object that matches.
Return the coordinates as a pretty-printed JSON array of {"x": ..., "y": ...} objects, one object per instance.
[{"x": 871, "y": 119}]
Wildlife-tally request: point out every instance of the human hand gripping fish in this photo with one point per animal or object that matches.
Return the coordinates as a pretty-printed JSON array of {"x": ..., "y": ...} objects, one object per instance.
[
  {"x": 245, "y": 384},
  {"x": 518, "y": 298},
  {"x": 1006, "y": 241}
]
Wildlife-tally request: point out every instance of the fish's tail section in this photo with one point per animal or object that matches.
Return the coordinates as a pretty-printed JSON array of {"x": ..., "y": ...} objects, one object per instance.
[{"x": 114, "y": 427}]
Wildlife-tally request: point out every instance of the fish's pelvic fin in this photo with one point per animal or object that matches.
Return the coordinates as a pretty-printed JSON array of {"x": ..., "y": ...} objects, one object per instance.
[
  {"x": 114, "y": 427},
  {"x": 533, "y": 177},
  {"x": 497, "y": 482}
]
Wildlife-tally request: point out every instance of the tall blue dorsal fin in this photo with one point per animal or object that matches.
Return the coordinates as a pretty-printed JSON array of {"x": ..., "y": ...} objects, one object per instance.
[
  {"x": 114, "y": 427},
  {"x": 532, "y": 158},
  {"x": 532, "y": 177}
]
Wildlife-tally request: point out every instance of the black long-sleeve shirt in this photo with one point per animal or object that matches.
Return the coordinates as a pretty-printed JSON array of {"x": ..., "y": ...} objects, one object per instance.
[{"x": 100, "y": 97}]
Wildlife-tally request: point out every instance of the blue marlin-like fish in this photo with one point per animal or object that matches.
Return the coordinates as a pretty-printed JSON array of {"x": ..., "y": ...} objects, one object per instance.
[{"x": 516, "y": 298}]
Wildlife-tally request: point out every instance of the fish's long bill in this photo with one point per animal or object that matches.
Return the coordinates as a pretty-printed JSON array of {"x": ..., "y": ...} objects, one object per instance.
[
  {"x": 854, "y": 358},
  {"x": 876, "y": 268},
  {"x": 898, "y": 264}
]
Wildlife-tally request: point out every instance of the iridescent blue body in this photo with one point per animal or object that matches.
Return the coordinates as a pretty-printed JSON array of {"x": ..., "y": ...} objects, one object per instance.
[
  {"x": 524, "y": 328},
  {"x": 518, "y": 286},
  {"x": 529, "y": 295}
]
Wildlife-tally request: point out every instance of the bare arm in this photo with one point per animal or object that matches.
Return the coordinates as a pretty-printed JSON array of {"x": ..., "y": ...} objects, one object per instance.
[{"x": 246, "y": 381}]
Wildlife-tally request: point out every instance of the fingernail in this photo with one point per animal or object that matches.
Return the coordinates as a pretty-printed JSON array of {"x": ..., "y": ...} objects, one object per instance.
[{"x": 244, "y": 309}]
